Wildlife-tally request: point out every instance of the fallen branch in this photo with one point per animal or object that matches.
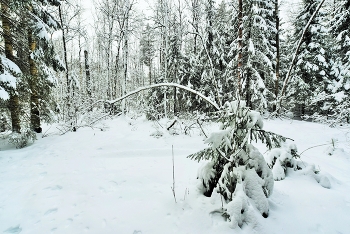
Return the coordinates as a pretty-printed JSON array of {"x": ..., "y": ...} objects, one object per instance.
[{"x": 172, "y": 125}]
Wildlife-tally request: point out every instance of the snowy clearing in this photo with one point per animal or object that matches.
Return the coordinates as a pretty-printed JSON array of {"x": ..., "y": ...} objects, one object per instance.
[{"x": 119, "y": 181}]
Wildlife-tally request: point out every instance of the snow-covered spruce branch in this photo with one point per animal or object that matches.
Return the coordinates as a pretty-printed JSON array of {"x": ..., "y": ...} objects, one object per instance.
[
  {"x": 285, "y": 83},
  {"x": 272, "y": 133},
  {"x": 168, "y": 85}
]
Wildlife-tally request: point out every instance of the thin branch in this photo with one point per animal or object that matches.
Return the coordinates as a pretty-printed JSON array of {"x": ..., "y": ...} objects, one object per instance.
[
  {"x": 315, "y": 147},
  {"x": 201, "y": 128},
  {"x": 173, "y": 188}
]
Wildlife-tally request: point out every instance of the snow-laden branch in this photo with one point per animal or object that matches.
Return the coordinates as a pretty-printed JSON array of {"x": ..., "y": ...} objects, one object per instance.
[
  {"x": 168, "y": 85},
  {"x": 285, "y": 83}
]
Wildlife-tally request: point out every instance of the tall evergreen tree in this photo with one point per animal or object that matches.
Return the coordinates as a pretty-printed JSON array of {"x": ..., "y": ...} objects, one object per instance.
[
  {"x": 341, "y": 31},
  {"x": 255, "y": 43},
  {"x": 32, "y": 24},
  {"x": 42, "y": 59},
  {"x": 312, "y": 71},
  {"x": 147, "y": 49},
  {"x": 9, "y": 85},
  {"x": 221, "y": 48},
  {"x": 210, "y": 83},
  {"x": 336, "y": 98}
]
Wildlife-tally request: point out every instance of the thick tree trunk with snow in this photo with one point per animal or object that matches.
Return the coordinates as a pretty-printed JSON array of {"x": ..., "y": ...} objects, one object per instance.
[
  {"x": 14, "y": 101},
  {"x": 34, "y": 97}
]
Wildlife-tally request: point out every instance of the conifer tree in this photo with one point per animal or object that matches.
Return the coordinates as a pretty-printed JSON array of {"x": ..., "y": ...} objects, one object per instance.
[
  {"x": 221, "y": 50},
  {"x": 236, "y": 169},
  {"x": 9, "y": 85},
  {"x": 209, "y": 81},
  {"x": 255, "y": 50},
  {"x": 42, "y": 59},
  {"x": 336, "y": 98},
  {"x": 339, "y": 27},
  {"x": 35, "y": 55},
  {"x": 147, "y": 50},
  {"x": 259, "y": 53},
  {"x": 193, "y": 59},
  {"x": 312, "y": 71}
]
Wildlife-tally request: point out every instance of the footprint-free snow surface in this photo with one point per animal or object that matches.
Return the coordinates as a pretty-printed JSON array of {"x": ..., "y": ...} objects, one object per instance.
[{"x": 119, "y": 181}]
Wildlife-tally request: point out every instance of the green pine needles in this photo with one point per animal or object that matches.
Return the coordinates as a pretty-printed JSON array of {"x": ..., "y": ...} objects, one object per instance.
[{"x": 236, "y": 169}]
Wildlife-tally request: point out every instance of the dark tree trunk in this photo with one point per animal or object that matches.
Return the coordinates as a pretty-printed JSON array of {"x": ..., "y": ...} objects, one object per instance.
[
  {"x": 248, "y": 90},
  {"x": 87, "y": 73},
  {"x": 150, "y": 71},
  {"x": 14, "y": 100},
  {"x": 240, "y": 45},
  {"x": 64, "y": 48},
  {"x": 210, "y": 29},
  {"x": 277, "y": 53},
  {"x": 34, "y": 97}
]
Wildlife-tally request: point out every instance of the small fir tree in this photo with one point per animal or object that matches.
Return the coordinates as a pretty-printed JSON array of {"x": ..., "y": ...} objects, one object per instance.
[{"x": 236, "y": 169}]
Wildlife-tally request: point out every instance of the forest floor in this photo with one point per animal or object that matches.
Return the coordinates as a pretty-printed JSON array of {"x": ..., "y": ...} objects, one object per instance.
[{"x": 119, "y": 181}]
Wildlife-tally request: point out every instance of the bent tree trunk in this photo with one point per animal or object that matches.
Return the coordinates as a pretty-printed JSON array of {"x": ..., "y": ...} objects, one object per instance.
[
  {"x": 168, "y": 85},
  {"x": 14, "y": 100}
]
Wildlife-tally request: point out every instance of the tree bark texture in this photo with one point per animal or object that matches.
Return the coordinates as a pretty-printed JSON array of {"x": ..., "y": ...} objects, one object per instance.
[
  {"x": 64, "y": 49},
  {"x": 210, "y": 28},
  {"x": 34, "y": 86},
  {"x": 240, "y": 45},
  {"x": 13, "y": 103},
  {"x": 277, "y": 71},
  {"x": 87, "y": 73}
]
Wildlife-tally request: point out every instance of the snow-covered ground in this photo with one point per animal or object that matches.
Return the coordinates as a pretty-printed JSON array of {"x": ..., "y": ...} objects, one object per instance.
[{"x": 119, "y": 181}]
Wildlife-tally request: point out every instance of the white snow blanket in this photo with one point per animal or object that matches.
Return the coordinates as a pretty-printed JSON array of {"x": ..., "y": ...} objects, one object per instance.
[{"x": 119, "y": 181}]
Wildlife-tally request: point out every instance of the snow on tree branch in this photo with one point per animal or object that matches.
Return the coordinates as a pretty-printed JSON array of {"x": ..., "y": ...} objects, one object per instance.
[
  {"x": 285, "y": 83},
  {"x": 168, "y": 85}
]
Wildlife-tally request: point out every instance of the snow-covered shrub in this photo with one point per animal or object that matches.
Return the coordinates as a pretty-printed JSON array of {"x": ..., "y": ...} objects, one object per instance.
[
  {"x": 279, "y": 159},
  {"x": 321, "y": 178},
  {"x": 157, "y": 134},
  {"x": 236, "y": 169},
  {"x": 21, "y": 140}
]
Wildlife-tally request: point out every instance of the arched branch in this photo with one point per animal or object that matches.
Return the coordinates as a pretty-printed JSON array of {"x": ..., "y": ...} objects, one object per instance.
[{"x": 168, "y": 85}]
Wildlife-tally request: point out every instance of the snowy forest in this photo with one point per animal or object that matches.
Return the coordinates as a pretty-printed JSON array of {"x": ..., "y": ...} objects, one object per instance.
[{"x": 236, "y": 85}]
